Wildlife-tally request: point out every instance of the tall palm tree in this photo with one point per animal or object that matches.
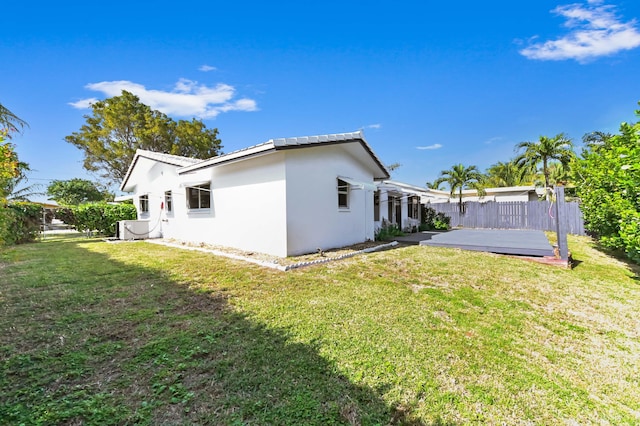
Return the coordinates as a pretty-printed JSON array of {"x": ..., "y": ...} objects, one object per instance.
[
  {"x": 460, "y": 177},
  {"x": 435, "y": 184},
  {"x": 10, "y": 121},
  {"x": 544, "y": 151},
  {"x": 510, "y": 173}
]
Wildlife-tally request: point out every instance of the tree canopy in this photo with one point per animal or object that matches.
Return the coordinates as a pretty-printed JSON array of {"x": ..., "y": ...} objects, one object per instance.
[
  {"x": 608, "y": 177},
  {"x": 11, "y": 168},
  {"x": 510, "y": 173},
  {"x": 545, "y": 151},
  {"x": 76, "y": 191},
  {"x": 122, "y": 124},
  {"x": 461, "y": 177}
]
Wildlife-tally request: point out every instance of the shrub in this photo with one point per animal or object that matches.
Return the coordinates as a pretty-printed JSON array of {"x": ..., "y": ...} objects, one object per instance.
[
  {"x": 19, "y": 222},
  {"x": 102, "y": 217},
  {"x": 433, "y": 220},
  {"x": 388, "y": 231},
  {"x": 66, "y": 215},
  {"x": 609, "y": 177}
]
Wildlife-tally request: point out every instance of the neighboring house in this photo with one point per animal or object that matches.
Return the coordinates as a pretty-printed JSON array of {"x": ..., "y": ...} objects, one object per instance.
[
  {"x": 399, "y": 203},
  {"x": 283, "y": 197},
  {"x": 504, "y": 194}
]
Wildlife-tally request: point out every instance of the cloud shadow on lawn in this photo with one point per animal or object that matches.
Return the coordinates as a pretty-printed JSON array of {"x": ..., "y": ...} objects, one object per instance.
[{"x": 101, "y": 341}]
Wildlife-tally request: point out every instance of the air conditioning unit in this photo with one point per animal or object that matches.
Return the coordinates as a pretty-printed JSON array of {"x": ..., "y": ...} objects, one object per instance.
[{"x": 132, "y": 230}]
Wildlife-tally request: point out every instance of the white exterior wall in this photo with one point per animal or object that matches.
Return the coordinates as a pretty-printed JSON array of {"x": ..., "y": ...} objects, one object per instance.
[
  {"x": 512, "y": 197},
  {"x": 313, "y": 216},
  {"x": 247, "y": 207},
  {"x": 151, "y": 178}
]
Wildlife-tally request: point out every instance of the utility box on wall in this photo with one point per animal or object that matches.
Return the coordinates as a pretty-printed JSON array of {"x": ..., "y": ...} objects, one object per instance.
[{"x": 132, "y": 230}]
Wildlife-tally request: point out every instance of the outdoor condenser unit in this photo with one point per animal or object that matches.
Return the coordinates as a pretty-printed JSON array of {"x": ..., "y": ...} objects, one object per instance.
[{"x": 132, "y": 230}]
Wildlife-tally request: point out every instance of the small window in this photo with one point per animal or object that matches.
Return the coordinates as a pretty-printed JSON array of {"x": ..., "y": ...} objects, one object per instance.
[
  {"x": 376, "y": 206},
  {"x": 343, "y": 194},
  {"x": 168, "y": 202},
  {"x": 199, "y": 197},
  {"x": 414, "y": 204},
  {"x": 144, "y": 203}
]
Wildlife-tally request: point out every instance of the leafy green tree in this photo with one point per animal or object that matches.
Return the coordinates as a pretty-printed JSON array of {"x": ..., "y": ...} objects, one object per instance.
[
  {"x": 545, "y": 150},
  {"x": 122, "y": 124},
  {"x": 76, "y": 191},
  {"x": 460, "y": 177},
  {"x": 509, "y": 173},
  {"x": 608, "y": 178},
  {"x": 8, "y": 166}
]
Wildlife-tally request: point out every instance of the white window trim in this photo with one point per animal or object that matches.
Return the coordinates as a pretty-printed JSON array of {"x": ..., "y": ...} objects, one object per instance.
[
  {"x": 168, "y": 201},
  {"x": 141, "y": 198},
  {"x": 344, "y": 189},
  {"x": 200, "y": 191}
]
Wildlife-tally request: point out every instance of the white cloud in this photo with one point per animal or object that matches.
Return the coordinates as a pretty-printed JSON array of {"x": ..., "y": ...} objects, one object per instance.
[
  {"x": 374, "y": 126},
  {"x": 493, "y": 140},
  {"x": 84, "y": 103},
  {"x": 429, "y": 147},
  {"x": 595, "y": 31},
  {"x": 187, "y": 99},
  {"x": 206, "y": 68}
]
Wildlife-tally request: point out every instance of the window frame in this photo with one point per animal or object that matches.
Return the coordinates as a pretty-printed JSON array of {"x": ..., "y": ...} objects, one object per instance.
[
  {"x": 413, "y": 207},
  {"x": 143, "y": 203},
  {"x": 344, "y": 190},
  {"x": 376, "y": 206},
  {"x": 168, "y": 201},
  {"x": 200, "y": 189}
]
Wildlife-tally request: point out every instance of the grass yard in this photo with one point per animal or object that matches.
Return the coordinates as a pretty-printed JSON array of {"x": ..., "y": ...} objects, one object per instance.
[{"x": 136, "y": 333}]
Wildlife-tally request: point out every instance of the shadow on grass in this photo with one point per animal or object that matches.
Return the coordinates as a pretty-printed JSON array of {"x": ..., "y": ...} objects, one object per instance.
[
  {"x": 94, "y": 340},
  {"x": 619, "y": 255}
]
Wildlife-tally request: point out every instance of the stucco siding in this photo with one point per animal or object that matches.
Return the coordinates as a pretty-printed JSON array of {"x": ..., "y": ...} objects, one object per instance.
[
  {"x": 151, "y": 178},
  {"x": 247, "y": 207},
  {"x": 314, "y": 218}
]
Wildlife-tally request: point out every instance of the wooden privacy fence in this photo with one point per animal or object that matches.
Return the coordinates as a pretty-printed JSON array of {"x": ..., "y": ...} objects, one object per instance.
[{"x": 539, "y": 215}]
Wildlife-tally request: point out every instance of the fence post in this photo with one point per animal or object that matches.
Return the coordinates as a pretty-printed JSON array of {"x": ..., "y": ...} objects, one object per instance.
[{"x": 561, "y": 223}]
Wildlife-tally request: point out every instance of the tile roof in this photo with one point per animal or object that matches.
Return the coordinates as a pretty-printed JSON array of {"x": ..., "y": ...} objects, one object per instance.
[
  {"x": 289, "y": 143},
  {"x": 176, "y": 160}
]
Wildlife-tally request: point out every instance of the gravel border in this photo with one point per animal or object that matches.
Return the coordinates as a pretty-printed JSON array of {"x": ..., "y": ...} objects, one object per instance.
[{"x": 273, "y": 265}]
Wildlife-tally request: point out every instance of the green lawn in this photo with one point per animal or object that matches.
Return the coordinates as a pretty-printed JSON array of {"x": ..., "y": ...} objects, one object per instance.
[{"x": 136, "y": 333}]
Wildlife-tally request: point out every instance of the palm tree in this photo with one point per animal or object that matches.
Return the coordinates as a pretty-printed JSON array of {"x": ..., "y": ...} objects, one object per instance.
[
  {"x": 9, "y": 186},
  {"x": 544, "y": 151},
  {"x": 435, "y": 184},
  {"x": 510, "y": 173},
  {"x": 460, "y": 177},
  {"x": 10, "y": 121}
]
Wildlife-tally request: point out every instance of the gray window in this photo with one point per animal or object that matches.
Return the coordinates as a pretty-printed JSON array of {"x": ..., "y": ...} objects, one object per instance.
[
  {"x": 144, "y": 203},
  {"x": 343, "y": 194},
  {"x": 199, "y": 197},
  {"x": 168, "y": 201}
]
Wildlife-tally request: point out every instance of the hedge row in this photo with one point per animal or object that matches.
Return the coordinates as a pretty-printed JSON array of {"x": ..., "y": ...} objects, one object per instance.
[{"x": 21, "y": 222}]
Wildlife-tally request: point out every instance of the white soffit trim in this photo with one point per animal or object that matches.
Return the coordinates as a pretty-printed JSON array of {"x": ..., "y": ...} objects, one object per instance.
[
  {"x": 193, "y": 184},
  {"x": 354, "y": 184}
]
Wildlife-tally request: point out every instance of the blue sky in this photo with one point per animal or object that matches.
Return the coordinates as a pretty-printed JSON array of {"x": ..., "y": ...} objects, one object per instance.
[{"x": 431, "y": 83}]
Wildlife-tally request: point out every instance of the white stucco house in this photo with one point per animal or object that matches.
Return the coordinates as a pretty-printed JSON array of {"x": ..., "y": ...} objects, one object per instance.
[{"x": 283, "y": 197}]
